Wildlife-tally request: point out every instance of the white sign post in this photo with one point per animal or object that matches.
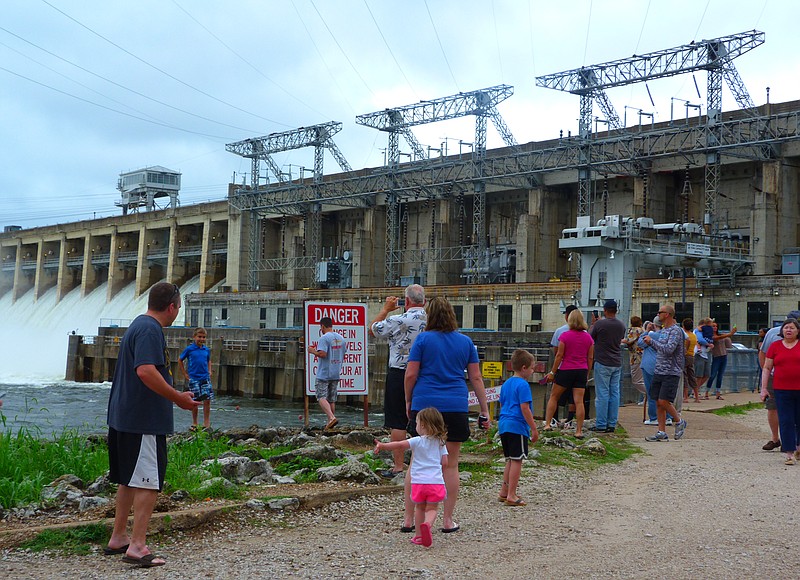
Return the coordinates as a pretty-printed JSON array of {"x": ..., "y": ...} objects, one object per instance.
[{"x": 349, "y": 320}]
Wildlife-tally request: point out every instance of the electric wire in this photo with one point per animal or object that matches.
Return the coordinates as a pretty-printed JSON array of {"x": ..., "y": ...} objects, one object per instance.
[
  {"x": 336, "y": 41},
  {"x": 530, "y": 31},
  {"x": 116, "y": 84},
  {"x": 247, "y": 62},
  {"x": 322, "y": 58},
  {"x": 441, "y": 47},
  {"x": 588, "y": 27},
  {"x": 400, "y": 68},
  {"x": 162, "y": 71},
  {"x": 497, "y": 43},
  {"x": 113, "y": 110}
]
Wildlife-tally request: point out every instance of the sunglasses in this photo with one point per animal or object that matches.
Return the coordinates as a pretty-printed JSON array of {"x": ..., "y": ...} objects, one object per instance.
[{"x": 175, "y": 292}]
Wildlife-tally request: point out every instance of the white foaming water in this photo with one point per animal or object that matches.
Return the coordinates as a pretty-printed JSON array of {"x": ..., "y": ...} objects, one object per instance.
[{"x": 34, "y": 334}]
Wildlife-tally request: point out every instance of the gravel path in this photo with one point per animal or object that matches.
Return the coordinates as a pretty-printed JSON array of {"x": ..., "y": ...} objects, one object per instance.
[{"x": 714, "y": 506}]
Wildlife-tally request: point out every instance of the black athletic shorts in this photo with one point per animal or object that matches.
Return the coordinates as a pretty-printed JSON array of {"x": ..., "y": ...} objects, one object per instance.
[
  {"x": 664, "y": 387},
  {"x": 515, "y": 446},
  {"x": 457, "y": 426},
  {"x": 136, "y": 459},
  {"x": 394, "y": 402},
  {"x": 572, "y": 378}
]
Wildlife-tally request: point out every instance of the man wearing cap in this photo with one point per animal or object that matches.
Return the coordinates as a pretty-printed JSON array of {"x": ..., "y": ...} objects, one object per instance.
[
  {"x": 773, "y": 334},
  {"x": 607, "y": 333},
  {"x": 561, "y": 329}
]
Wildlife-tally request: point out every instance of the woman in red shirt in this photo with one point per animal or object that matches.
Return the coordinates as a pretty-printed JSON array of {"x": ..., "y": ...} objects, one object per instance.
[
  {"x": 571, "y": 369},
  {"x": 783, "y": 356}
]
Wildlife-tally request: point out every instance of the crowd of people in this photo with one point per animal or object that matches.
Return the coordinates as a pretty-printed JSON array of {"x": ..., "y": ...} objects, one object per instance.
[{"x": 427, "y": 397}]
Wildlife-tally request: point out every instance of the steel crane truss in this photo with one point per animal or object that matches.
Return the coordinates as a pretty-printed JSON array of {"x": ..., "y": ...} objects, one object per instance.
[
  {"x": 702, "y": 55},
  {"x": 615, "y": 154}
]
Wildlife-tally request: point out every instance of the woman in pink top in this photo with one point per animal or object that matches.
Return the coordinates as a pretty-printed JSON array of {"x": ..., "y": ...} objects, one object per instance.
[
  {"x": 783, "y": 357},
  {"x": 571, "y": 369}
]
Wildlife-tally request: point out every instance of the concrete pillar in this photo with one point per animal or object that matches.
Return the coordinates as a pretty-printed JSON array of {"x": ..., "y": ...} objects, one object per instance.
[
  {"x": 206, "y": 258},
  {"x": 22, "y": 281},
  {"x": 249, "y": 385},
  {"x": 118, "y": 277},
  {"x": 39, "y": 285},
  {"x": 444, "y": 271},
  {"x": 369, "y": 252},
  {"x": 64, "y": 280},
  {"x": 293, "y": 372},
  {"x": 89, "y": 275},
  {"x": 774, "y": 217},
  {"x": 764, "y": 220},
  {"x": 238, "y": 232},
  {"x": 142, "y": 264},
  {"x": 71, "y": 372}
]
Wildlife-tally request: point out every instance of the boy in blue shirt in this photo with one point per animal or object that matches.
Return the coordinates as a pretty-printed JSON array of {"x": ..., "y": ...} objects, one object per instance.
[
  {"x": 198, "y": 375},
  {"x": 516, "y": 424}
]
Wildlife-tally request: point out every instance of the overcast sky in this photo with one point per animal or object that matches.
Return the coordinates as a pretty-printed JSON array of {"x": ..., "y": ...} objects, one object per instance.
[{"x": 91, "y": 88}]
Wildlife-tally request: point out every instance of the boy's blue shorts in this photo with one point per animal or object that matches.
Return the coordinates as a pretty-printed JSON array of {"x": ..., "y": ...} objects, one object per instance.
[{"x": 200, "y": 388}]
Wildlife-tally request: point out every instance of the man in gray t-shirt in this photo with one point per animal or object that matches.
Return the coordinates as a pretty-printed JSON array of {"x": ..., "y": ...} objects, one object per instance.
[
  {"x": 607, "y": 333},
  {"x": 330, "y": 350}
]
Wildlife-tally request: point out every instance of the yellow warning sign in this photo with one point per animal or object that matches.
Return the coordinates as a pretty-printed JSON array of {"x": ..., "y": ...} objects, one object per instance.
[{"x": 492, "y": 370}]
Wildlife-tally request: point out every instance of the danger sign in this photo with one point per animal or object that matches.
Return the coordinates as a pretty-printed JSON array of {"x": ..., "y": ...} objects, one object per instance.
[{"x": 350, "y": 321}]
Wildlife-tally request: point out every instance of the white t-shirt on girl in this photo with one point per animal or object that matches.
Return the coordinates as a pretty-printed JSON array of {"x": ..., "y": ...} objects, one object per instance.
[{"x": 426, "y": 463}]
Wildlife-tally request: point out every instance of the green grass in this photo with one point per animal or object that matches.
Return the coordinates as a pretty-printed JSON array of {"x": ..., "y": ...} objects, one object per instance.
[
  {"x": 738, "y": 409},
  {"x": 73, "y": 541},
  {"x": 618, "y": 449},
  {"x": 28, "y": 462},
  {"x": 310, "y": 465},
  {"x": 184, "y": 455},
  {"x": 375, "y": 463}
]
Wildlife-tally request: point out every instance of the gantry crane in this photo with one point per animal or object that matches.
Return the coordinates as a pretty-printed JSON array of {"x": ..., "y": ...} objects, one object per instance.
[
  {"x": 259, "y": 149},
  {"x": 398, "y": 121},
  {"x": 714, "y": 56}
]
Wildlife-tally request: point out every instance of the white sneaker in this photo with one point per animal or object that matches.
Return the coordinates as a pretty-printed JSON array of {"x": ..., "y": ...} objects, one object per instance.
[
  {"x": 553, "y": 423},
  {"x": 669, "y": 421},
  {"x": 649, "y": 422}
]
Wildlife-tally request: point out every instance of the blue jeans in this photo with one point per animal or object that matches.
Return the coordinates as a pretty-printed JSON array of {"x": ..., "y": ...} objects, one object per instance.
[
  {"x": 651, "y": 403},
  {"x": 788, "y": 402},
  {"x": 718, "y": 364},
  {"x": 606, "y": 401}
]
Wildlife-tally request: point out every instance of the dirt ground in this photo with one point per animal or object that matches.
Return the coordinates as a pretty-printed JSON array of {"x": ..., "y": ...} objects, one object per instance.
[{"x": 713, "y": 505}]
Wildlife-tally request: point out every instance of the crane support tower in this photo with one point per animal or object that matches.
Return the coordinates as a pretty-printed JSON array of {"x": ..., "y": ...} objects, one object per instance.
[
  {"x": 714, "y": 56},
  {"x": 398, "y": 121},
  {"x": 259, "y": 149}
]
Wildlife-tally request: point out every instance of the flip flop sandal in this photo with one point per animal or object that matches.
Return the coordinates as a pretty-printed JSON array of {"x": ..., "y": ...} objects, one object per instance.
[
  {"x": 501, "y": 498},
  {"x": 145, "y": 561},
  {"x": 108, "y": 551},
  {"x": 518, "y": 502}
]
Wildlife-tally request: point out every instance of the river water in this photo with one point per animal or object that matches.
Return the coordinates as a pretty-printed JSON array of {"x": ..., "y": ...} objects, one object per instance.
[
  {"x": 33, "y": 349},
  {"x": 48, "y": 407}
]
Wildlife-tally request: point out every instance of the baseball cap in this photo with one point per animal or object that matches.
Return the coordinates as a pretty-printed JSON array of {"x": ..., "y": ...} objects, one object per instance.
[
  {"x": 794, "y": 314},
  {"x": 657, "y": 322},
  {"x": 610, "y": 305}
]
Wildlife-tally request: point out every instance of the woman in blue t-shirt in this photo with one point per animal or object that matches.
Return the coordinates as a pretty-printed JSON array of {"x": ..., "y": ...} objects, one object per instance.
[{"x": 435, "y": 378}]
